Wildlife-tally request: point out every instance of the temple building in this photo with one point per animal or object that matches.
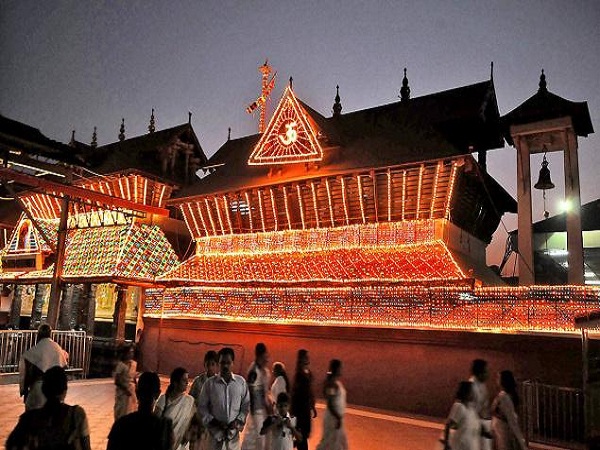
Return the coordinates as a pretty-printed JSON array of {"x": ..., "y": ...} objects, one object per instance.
[
  {"x": 118, "y": 234},
  {"x": 362, "y": 236},
  {"x": 358, "y": 235}
]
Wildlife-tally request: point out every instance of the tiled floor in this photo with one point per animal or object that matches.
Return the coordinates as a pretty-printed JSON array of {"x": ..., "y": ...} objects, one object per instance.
[{"x": 367, "y": 429}]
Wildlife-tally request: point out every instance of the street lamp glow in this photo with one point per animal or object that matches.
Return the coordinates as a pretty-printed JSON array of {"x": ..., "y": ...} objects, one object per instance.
[{"x": 564, "y": 205}]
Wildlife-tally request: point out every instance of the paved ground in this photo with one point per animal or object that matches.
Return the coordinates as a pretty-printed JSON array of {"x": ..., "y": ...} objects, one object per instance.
[{"x": 367, "y": 428}]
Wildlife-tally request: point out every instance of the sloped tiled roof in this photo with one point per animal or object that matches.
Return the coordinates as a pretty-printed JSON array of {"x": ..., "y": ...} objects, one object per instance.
[
  {"x": 131, "y": 252},
  {"x": 143, "y": 153},
  {"x": 25, "y": 137},
  {"x": 544, "y": 105},
  {"x": 428, "y": 263},
  {"x": 444, "y": 124}
]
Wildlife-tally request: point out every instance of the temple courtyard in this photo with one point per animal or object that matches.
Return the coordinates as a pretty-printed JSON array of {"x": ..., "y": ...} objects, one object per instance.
[{"x": 367, "y": 428}]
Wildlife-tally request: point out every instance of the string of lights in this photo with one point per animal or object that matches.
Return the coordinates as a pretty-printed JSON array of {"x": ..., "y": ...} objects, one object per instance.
[{"x": 502, "y": 309}]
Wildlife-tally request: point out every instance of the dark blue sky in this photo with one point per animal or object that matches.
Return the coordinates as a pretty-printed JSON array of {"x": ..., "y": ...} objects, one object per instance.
[{"x": 79, "y": 64}]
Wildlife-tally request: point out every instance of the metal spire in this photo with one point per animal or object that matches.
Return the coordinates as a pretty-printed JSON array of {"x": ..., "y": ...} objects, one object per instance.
[
  {"x": 337, "y": 105},
  {"x": 152, "y": 127},
  {"x": 122, "y": 130},
  {"x": 542, "y": 83},
  {"x": 94, "y": 142},
  {"x": 405, "y": 90}
]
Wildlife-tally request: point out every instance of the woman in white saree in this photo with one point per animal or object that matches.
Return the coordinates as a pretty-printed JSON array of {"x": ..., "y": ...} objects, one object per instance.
[
  {"x": 178, "y": 406},
  {"x": 334, "y": 433}
]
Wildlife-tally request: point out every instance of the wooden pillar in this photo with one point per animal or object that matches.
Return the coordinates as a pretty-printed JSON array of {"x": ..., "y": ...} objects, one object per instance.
[
  {"x": 573, "y": 199},
  {"x": 55, "y": 287},
  {"x": 88, "y": 307},
  {"x": 526, "y": 273},
  {"x": 76, "y": 300},
  {"x": 14, "y": 317},
  {"x": 119, "y": 314},
  {"x": 66, "y": 308},
  {"x": 38, "y": 303}
]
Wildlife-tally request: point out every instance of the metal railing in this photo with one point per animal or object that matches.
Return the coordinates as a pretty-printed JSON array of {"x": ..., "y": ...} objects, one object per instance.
[
  {"x": 553, "y": 414},
  {"x": 13, "y": 343}
]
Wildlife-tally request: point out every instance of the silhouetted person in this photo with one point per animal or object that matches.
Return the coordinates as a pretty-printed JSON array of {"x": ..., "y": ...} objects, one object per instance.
[
  {"x": 56, "y": 425},
  {"x": 38, "y": 359},
  {"x": 142, "y": 429},
  {"x": 303, "y": 398}
]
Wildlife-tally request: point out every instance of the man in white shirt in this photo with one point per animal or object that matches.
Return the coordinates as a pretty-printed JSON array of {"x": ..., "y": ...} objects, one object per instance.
[
  {"x": 224, "y": 404},
  {"x": 42, "y": 356},
  {"x": 481, "y": 400}
]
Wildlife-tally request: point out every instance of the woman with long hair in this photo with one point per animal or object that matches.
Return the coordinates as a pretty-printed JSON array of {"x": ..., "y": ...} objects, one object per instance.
[
  {"x": 505, "y": 423},
  {"x": 303, "y": 398},
  {"x": 334, "y": 435},
  {"x": 178, "y": 406}
]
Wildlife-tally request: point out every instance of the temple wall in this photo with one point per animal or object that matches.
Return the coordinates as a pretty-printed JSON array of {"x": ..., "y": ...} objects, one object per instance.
[{"x": 413, "y": 371}]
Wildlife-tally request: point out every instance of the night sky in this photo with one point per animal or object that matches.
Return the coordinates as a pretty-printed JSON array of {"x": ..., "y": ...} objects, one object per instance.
[{"x": 78, "y": 64}]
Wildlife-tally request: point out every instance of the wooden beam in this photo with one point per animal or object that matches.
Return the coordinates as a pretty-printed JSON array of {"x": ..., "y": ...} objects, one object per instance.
[{"x": 78, "y": 193}]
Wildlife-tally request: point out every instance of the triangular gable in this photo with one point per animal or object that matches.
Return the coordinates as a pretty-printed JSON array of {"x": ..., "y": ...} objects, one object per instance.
[
  {"x": 289, "y": 137},
  {"x": 25, "y": 238}
]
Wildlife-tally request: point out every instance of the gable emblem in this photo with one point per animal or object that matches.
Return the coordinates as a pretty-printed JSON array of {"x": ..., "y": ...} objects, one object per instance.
[{"x": 289, "y": 137}]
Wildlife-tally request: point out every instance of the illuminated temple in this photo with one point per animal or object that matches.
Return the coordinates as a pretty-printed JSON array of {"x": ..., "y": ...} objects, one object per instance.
[
  {"x": 377, "y": 217},
  {"x": 359, "y": 235}
]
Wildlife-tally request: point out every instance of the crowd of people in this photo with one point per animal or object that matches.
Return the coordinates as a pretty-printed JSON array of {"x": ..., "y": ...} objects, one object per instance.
[{"x": 263, "y": 410}]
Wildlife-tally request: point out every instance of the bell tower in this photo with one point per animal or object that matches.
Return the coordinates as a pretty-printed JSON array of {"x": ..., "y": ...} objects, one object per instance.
[{"x": 548, "y": 123}]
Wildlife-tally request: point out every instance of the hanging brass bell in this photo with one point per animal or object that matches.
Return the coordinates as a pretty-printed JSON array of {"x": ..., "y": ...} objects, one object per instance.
[{"x": 544, "y": 181}]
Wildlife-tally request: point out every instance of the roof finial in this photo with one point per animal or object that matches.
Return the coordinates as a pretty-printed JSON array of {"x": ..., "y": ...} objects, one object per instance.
[
  {"x": 337, "y": 105},
  {"x": 542, "y": 84},
  {"x": 94, "y": 142},
  {"x": 72, "y": 141},
  {"x": 152, "y": 126},
  {"x": 229, "y": 133},
  {"x": 492, "y": 71},
  {"x": 122, "y": 130},
  {"x": 292, "y": 83},
  {"x": 190, "y": 117},
  {"x": 405, "y": 90}
]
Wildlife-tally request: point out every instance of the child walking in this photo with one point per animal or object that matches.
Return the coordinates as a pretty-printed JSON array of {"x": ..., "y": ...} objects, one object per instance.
[{"x": 281, "y": 426}]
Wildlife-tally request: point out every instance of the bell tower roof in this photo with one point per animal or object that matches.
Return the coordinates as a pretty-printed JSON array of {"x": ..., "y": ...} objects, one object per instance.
[{"x": 544, "y": 105}]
